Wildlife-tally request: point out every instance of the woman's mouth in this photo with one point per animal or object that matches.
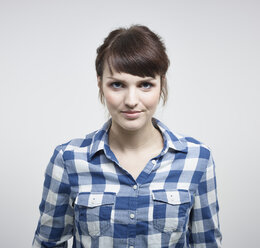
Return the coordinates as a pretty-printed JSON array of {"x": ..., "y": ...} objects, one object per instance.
[{"x": 131, "y": 114}]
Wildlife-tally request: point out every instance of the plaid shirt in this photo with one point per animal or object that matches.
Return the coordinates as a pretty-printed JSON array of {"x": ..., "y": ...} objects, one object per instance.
[{"x": 87, "y": 195}]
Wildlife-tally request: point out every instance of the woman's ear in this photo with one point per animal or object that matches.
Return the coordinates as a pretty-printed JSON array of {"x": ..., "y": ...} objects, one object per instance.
[
  {"x": 163, "y": 77},
  {"x": 100, "y": 85},
  {"x": 99, "y": 82}
]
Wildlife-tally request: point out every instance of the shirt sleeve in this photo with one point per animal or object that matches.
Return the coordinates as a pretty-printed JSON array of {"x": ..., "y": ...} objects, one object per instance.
[
  {"x": 204, "y": 221},
  {"x": 55, "y": 225}
]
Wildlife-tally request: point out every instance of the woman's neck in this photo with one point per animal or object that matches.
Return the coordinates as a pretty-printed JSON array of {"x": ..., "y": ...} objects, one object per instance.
[{"x": 133, "y": 141}]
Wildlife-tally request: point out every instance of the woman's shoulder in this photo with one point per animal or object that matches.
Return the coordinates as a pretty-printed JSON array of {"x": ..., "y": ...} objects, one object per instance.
[
  {"x": 79, "y": 143},
  {"x": 188, "y": 139},
  {"x": 192, "y": 143}
]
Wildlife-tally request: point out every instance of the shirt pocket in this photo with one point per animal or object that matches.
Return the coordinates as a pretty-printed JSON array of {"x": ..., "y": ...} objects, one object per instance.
[
  {"x": 93, "y": 212},
  {"x": 170, "y": 209}
]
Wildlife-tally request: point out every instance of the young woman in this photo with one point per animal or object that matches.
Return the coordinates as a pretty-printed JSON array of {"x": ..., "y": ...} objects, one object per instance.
[{"x": 132, "y": 183}]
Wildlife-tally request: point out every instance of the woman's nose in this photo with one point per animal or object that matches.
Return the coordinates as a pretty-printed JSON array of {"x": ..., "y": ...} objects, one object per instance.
[{"x": 131, "y": 98}]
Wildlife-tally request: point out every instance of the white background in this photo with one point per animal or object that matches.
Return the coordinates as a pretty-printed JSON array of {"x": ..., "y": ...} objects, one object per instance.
[{"x": 49, "y": 95}]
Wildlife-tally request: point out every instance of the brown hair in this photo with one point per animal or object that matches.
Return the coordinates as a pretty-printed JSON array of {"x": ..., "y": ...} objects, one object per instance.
[{"x": 137, "y": 51}]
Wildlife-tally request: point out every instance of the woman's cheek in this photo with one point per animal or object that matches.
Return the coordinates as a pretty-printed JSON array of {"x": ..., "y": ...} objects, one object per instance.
[
  {"x": 151, "y": 100},
  {"x": 112, "y": 99}
]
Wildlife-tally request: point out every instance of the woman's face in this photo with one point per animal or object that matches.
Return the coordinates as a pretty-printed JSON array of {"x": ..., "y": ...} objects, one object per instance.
[{"x": 131, "y": 100}]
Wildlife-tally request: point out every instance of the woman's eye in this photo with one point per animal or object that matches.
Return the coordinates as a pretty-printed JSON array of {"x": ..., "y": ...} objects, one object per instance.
[
  {"x": 116, "y": 85},
  {"x": 147, "y": 85}
]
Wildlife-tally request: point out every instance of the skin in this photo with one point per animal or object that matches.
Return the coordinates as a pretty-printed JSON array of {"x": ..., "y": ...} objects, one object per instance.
[{"x": 127, "y": 92}]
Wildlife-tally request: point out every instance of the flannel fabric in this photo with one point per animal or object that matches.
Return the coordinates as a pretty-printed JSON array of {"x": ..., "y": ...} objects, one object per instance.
[{"x": 87, "y": 195}]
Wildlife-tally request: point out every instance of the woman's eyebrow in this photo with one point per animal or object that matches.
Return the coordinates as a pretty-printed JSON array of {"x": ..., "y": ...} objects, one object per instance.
[{"x": 142, "y": 80}]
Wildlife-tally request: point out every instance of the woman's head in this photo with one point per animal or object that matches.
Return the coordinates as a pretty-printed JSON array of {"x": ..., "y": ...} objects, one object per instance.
[{"x": 135, "y": 50}]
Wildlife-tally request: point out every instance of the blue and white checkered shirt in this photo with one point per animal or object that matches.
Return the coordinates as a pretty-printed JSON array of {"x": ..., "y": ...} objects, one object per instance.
[{"x": 87, "y": 195}]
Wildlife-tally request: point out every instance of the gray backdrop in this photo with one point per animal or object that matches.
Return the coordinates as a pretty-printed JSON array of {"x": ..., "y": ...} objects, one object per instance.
[{"x": 48, "y": 95}]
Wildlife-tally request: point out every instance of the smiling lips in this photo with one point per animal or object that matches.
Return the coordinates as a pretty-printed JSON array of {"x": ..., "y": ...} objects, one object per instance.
[{"x": 131, "y": 114}]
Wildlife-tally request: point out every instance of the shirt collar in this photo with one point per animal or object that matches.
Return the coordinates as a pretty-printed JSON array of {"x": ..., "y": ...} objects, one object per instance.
[
  {"x": 170, "y": 139},
  {"x": 100, "y": 138}
]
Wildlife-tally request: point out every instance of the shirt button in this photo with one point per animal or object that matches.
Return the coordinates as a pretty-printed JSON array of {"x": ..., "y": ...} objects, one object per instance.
[
  {"x": 132, "y": 216},
  {"x": 153, "y": 162},
  {"x": 135, "y": 186}
]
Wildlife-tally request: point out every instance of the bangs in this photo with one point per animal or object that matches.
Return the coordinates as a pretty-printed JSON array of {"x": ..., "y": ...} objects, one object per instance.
[{"x": 135, "y": 55}]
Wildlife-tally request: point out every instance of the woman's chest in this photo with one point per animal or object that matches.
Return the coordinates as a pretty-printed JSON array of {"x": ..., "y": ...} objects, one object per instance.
[{"x": 135, "y": 163}]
